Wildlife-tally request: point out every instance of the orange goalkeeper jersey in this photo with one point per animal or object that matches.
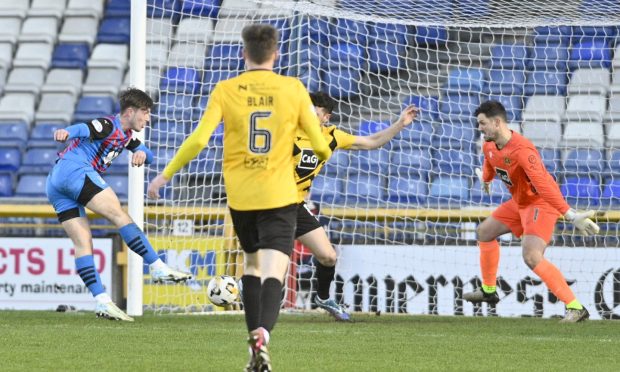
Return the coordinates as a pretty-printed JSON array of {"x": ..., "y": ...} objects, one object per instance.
[{"x": 520, "y": 167}]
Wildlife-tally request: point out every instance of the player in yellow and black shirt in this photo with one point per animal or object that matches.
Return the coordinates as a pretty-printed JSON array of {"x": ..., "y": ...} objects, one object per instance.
[
  {"x": 262, "y": 112},
  {"x": 307, "y": 165}
]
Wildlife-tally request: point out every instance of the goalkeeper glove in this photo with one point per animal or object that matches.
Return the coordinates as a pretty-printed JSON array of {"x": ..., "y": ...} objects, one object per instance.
[
  {"x": 486, "y": 186},
  {"x": 582, "y": 221}
]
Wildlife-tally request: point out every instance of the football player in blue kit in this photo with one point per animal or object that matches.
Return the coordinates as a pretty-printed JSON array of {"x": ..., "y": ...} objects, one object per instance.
[{"x": 75, "y": 182}]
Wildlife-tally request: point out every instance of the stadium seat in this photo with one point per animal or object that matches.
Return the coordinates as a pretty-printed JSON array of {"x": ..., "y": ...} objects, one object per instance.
[
  {"x": 156, "y": 55},
  {"x": 6, "y": 60},
  {"x": 589, "y": 81},
  {"x": 317, "y": 29},
  {"x": 583, "y": 134},
  {"x": 31, "y": 186},
  {"x": 418, "y": 133},
  {"x": 11, "y": 27},
  {"x": 159, "y": 9},
  {"x": 17, "y": 107},
  {"x": 42, "y": 135},
  {"x": 613, "y": 164},
  {"x": 612, "y": 139},
  {"x": 449, "y": 190},
  {"x": 195, "y": 30},
  {"x": 552, "y": 35},
  {"x": 6, "y": 185},
  {"x": 462, "y": 80},
  {"x": 39, "y": 30},
  {"x": 228, "y": 30},
  {"x": 513, "y": 105},
  {"x": 225, "y": 57},
  {"x": 548, "y": 56},
  {"x": 499, "y": 193},
  {"x": 312, "y": 54},
  {"x": 590, "y": 53},
  {"x": 103, "y": 81},
  {"x": 386, "y": 57},
  {"x": 328, "y": 190},
  {"x": 611, "y": 192},
  {"x": 180, "y": 80},
  {"x": 90, "y": 107},
  {"x": 47, "y": 8},
  {"x": 118, "y": 8},
  {"x": 70, "y": 56},
  {"x": 543, "y": 82},
  {"x": 594, "y": 32},
  {"x": 119, "y": 184},
  {"x": 586, "y": 108},
  {"x": 363, "y": 188},
  {"x": 10, "y": 159},
  {"x": 459, "y": 104},
  {"x": 507, "y": 82},
  {"x": 187, "y": 55},
  {"x": 16, "y": 8},
  {"x": 38, "y": 160},
  {"x": 551, "y": 159},
  {"x": 109, "y": 56},
  {"x": 56, "y": 107},
  {"x": 114, "y": 31},
  {"x": 85, "y": 8},
  {"x": 209, "y": 162},
  {"x": 454, "y": 134},
  {"x": 346, "y": 55},
  {"x": 337, "y": 164},
  {"x": 78, "y": 30},
  {"x": 452, "y": 161},
  {"x": 310, "y": 78},
  {"x": 62, "y": 80},
  {"x": 120, "y": 165},
  {"x": 428, "y": 105},
  {"x": 370, "y": 160},
  {"x": 583, "y": 191},
  {"x": 342, "y": 83},
  {"x": 212, "y": 77},
  {"x": 13, "y": 134},
  {"x": 543, "y": 133},
  {"x": 175, "y": 107},
  {"x": 545, "y": 108},
  {"x": 159, "y": 31},
  {"x": 431, "y": 35},
  {"x": 25, "y": 80},
  {"x": 410, "y": 161},
  {"x": 389, "y": 33},
  {"x": 201, "y": 8},
  {"x": 407, "y": 190},
  {"x": 352, "y": 31},
  {"x": 368, "y": 127},
  {"x": 33, "y": 55},
  {"x": 585, "y": 160},
  {"x": 509, "y": 56}
]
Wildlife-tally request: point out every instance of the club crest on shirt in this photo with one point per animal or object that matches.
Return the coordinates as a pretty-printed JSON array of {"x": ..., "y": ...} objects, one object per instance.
[
  {"x": 507, "y": 161},
  {"x": 97, "y": 125},
  {"x": 308, "y": 159}
]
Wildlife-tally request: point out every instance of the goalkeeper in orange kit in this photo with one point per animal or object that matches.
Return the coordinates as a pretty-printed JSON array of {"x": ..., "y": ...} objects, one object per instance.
[{"x": 532, "y": 212}]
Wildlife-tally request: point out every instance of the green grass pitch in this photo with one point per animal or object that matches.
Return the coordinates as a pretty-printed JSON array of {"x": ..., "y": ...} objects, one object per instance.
[{"x": 47, "y": 341}]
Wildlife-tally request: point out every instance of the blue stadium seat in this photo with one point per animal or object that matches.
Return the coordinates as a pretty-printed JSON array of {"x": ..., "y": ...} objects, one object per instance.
[
  {"x": 466, "y": 80},
  {"x": 431, "y": 35},
  {"x": 167, "y": 132},
  {"x": 282, "y": 25},
  {"x": 311, "y": 53},
  {"x": 114, "y": 31},
  {"x": 586, "y": 160},
  {"x": 10, "y": 159},
  {"x": 389, "y": 32},
  {"x": 368, "y": 127},
  {"x": 347, "y": 30},
  {"x": 454, "y": 134},
  {"x": 14, "y": 134},
  {"x": 42, "y": 135},
  {"x": 310, "y": 77},
  {"x": 118, "y": 8},
  {"x": 364, "y": 189},
  {"x": 428, "y": 105},
  {"x": 338, "y": 163},
  {"x": 449, "y": 190},
  {"x": 459, "y": 104},
  {"x": 614, "y": 162},
  {"x": 611, "y": 192},
  {"x": 409, "y": 190},
  {"x": 6, "y": 185},
  {"x": 90, "y": 107},
  {"x": 119, "y": 184},
  {"x": 499, "y": 193},
  {"x": 31, "y": 186},
  {"x": 162, "y": 156},
  {"x": 342, "y": 82},
  {"x": 70, "y": 56},
  {"x": 508, "y": 82},
  {"x": 327, "y": 190},
  {"x": 553, "y": 35},
  {"x": 201, "y": 8},
  {"x": 581, "y": 191},
  {"x": 120, "y": 165},
  {"x": 386, "y": 57},
  {"x": 346, "y": 55},
  {"x": 411, "y": 161},
  {"x": 212, "y": 77},
  {"x": 159, "y": 9},
  {"x": 175, "y": 107},
  {"x": 590, "y": 53},
  {"x": 317, "y": 29},
  {"x": 512, "y": 104},
  {"x": 181, "y": 80},
  {"x": 551, "y": 159},
  {"x": 590, "y": 32},
  {"x": 509, "y": 56},
  {"x": 453, "y": 161},
  {"x": 38, "y": 160},
  {"x": 209, "y": 161},
  {"x": 552, "y": 83},
  {"x": 370, "y": 160},
  {"x": 548, "y": 57},
  {"x": 225, "y": 57}
]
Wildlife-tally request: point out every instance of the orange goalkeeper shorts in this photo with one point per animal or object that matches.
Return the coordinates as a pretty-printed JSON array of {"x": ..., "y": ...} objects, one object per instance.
[{"x": 537, "y": 219}]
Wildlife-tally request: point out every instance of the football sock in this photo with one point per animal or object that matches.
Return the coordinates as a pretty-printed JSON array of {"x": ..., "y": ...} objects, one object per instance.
[
  {"x": 270, "y": 295},
  {"x": 324, "y": 276},
  {"x": 555, "y": 281},
  {"x": 137, "y": 242},
  {"x": 489, "y": 261},
  {"x": 575, "y": 305},
  {"x": 250, "y": 294},
  {"x": 85, "y": 267},
  {"x": 103, "y": 298}
]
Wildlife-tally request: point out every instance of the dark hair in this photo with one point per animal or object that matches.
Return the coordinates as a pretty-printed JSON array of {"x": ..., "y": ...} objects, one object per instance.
[
  {"x": 320, "y": 99},
  {"x": 492, "y": 109},
  {"x": 136, "y": 98},
  {"x": 259, "y": 41}
]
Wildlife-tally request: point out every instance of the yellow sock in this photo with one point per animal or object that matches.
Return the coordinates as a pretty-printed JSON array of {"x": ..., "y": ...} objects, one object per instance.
[
  {"x": 575, "y": 305},
  {"x": 489, "y": 288}
]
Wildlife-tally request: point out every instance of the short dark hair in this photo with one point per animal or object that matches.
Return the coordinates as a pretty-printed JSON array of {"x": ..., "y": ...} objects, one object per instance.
[
  {"x": 136, "y": 98},
  {"x": 492, "y": 109},
  {"x": 259, "y": 41},
  {"x": 320, "y": 99}
]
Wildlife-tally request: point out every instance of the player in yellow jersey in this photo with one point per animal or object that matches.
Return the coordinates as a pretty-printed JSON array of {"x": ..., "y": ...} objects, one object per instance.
[
  {"x": 262, "y": 112},
  {"x": 309, "y": 231}
]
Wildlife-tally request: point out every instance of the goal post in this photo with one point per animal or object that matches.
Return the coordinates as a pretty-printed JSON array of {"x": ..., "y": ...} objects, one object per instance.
[{"x": 403, "y": 217}]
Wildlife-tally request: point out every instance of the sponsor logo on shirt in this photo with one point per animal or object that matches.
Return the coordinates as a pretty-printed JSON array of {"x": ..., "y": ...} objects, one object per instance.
[
  {"x": 97, "y": 125},
  {"x": 308, "y": 159}
]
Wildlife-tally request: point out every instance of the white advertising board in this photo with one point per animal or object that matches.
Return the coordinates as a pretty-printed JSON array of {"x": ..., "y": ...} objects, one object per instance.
[{"x": 39, "y": 273}]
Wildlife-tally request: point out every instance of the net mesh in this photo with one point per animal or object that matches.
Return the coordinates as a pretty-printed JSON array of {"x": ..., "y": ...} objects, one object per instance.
[{"x": 401, "y": 217}]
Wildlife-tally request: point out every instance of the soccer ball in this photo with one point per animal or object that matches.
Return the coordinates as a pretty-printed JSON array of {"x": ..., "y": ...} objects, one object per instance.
[{"x": 222, "y": 290}]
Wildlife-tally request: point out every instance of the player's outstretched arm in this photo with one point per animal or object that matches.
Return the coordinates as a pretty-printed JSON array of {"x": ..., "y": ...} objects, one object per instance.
[
  {"x": 376, "y": 140},
  {"x": 73, "y": 131},
  {"x": 582, "y": 221}
]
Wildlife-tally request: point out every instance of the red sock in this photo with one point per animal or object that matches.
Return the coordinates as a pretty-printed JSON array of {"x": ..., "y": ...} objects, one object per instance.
[
  {"x": 555, "y": 281},
  {"x": 489, "y": 261}
]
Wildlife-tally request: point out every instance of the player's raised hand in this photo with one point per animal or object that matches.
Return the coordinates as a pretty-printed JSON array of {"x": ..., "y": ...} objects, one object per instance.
[
  {"x": 138, "y": 158},
  {"x": 152, "y": 192},
  {"x": 61, "y": 135},
  {"x": 582, "y": 221},
  {"x": 486, "y": 186},
  {"x": 409, "y": 114}
]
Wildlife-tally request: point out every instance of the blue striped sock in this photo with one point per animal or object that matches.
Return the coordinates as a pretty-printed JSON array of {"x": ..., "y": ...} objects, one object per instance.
[
  {"x": 137, "y": 242},
  {"x": 85, "y": 267}
]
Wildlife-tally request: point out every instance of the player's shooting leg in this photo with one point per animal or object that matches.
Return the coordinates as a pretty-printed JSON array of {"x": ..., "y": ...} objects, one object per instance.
[
  {"x": 78, "y": 230},
  {"x": 106, "y": 204},
  {"x": 318, "y": 242}
]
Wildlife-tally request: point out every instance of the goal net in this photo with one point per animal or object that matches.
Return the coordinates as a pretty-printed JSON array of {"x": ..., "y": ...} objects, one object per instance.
[{"x": 403, "y": 217}]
